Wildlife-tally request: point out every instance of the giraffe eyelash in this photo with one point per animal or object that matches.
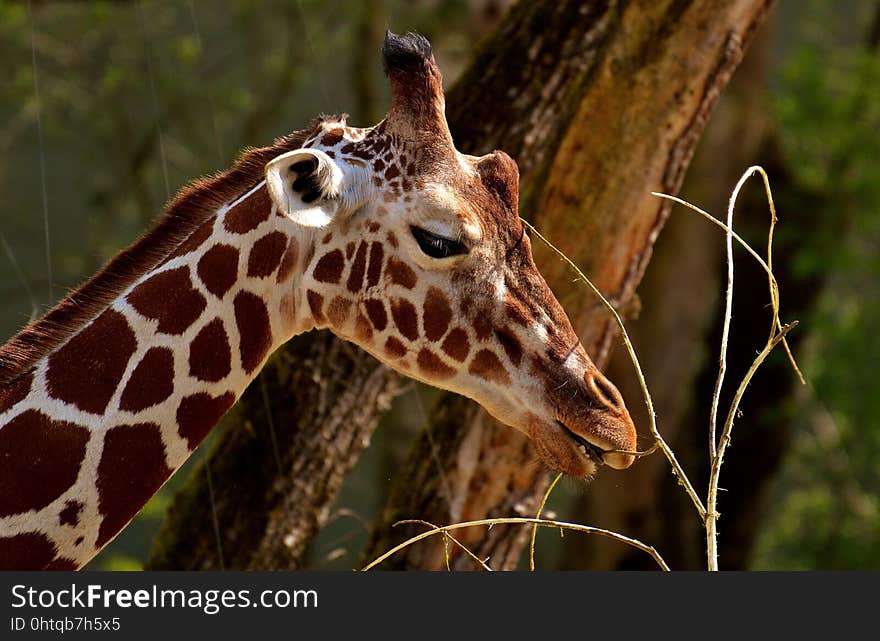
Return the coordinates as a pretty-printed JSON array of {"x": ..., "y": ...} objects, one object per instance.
[{"x": 437, "y": 246}]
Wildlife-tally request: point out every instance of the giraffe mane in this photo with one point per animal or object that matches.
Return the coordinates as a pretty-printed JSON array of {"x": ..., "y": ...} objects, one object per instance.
[{"x": 191, "y": 207}]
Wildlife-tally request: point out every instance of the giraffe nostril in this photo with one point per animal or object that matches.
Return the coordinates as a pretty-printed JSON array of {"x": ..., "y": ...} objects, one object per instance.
[{"x": 604, "y": 391}]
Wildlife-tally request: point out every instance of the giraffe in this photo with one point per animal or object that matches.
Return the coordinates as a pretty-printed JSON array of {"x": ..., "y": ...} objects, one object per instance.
[{"x": 386, "y": 235}]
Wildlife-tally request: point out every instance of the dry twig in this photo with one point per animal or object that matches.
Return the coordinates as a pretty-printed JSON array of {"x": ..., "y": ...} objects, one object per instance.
[
  {"x": 538, "y": 516},
  {"x": 520, "y": 521},
  {"x": 777, "y": 335}
]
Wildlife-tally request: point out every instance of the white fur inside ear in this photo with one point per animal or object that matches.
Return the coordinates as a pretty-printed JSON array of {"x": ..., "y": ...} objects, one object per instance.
[{"x": 329, "y": 177}]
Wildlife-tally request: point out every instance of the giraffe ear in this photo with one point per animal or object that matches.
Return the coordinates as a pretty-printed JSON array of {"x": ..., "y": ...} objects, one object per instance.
[{"x": 311, "y": 188}]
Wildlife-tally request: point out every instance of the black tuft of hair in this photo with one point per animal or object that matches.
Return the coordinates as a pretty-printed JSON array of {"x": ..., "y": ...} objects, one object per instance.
[{"x": 409, "y": 52}]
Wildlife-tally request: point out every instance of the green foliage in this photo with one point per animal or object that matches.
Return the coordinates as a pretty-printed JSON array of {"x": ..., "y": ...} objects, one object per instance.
[{"x": 826, "y": 512}]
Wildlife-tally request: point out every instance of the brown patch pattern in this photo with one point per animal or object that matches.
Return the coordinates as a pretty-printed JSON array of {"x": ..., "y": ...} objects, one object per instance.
[
  {"x": 363, "y": 332},
  {"x": 482, "y": 327},
  {"x": 169, "y": 298},
  {"x": 151, "y": 382},
  {"x": 70, "y": 514},
  {"x": 316, "y": 305},
  {"x": 456, "y": 344},
  {"x": 332, "y": 137},
  {"x": 405, "y": 318},
  {"x": 356, "y": 276},
  {"x": 198, "y": 413},
  {"x": 252, "y": 320},
  {"x": 132, "y": 468},
  {"x": 394, "y": 347},
  {"x": 329, "y": 267},
  {"x": 337, "y": 311},
  {"x": 486, "y": 365},
  {"x": 15, "y": 392},
  {"x": 249, "y": 213},
  {"x": 376, "y": 313},
  {"x": 195, "y": 240},
  {"x": 541, "y": 369},
  {"x": 31, "y": 551},
  {"x": 218, "y": 269},
  {"x": 86, "y": 370},
  {"x": 209, "y": 356},
  {"x": 374, "y": 272},
  {"x": 432, "y": 366},
  {"x": 401, "y": 273},
  {"x": 266, "y": 254},
  {"x": 436, "y": 314},
  {"x": 511, "y": 345},
  {"x": 39, "y": 460}
]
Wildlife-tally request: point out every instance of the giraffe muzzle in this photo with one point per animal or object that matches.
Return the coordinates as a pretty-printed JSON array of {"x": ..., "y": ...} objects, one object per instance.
[
  {"x": 608, "y": 426},
  {"x": 591, "y": 428},
  {"x": 593, "y": 452},
  {"x": 599, "y": 454}
]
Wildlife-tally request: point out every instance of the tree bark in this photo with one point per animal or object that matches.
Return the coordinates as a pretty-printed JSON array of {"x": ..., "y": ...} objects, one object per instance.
[
  {"x": 639, "y": 80},
  {"x": 600, "y": 103},
  {"x": 676, "y": 338}
]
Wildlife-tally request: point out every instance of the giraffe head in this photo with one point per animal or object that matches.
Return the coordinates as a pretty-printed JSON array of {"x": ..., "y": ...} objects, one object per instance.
[{"x": 415, "y": 252}]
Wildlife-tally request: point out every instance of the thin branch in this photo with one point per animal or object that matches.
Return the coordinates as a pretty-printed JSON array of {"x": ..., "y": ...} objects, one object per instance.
[
  {"x": 446, "y": 538},
  {"x": 538, "y": 516},
  {"x": 523, "y": 521},
  {"x": 777, "y": 335},
  {"x": 712, "y": 514},
  {"x": 748, "y": 248},
  {"x": 774, "y": 286},
  {"x": 725, "y": 330},
  {"x": 652, "y": 419}
]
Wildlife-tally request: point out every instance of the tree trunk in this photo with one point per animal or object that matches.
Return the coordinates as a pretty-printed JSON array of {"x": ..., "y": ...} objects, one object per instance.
[
  {"x": 639, "y": 80},
  {"x": 675, "y": 337},
  {"x": 599, "y": 103}
]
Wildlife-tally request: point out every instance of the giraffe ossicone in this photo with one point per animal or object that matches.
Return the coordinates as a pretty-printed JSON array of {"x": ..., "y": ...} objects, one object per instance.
[{"x": 386, "y": 235}]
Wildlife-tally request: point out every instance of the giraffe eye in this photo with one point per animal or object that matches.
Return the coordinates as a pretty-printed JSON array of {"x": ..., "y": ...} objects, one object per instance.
[{"x": 437, "y": 246}]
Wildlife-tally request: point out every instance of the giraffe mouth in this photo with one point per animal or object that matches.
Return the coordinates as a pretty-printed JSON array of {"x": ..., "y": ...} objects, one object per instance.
[{"x": 589, "y": 450}]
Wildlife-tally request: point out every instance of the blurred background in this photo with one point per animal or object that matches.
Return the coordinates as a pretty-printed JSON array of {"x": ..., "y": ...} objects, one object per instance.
[{"x": 108, "y": 108}]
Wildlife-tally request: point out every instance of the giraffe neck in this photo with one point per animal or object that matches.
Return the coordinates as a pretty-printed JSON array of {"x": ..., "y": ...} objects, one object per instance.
[{"x": 95, "y": 428}]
